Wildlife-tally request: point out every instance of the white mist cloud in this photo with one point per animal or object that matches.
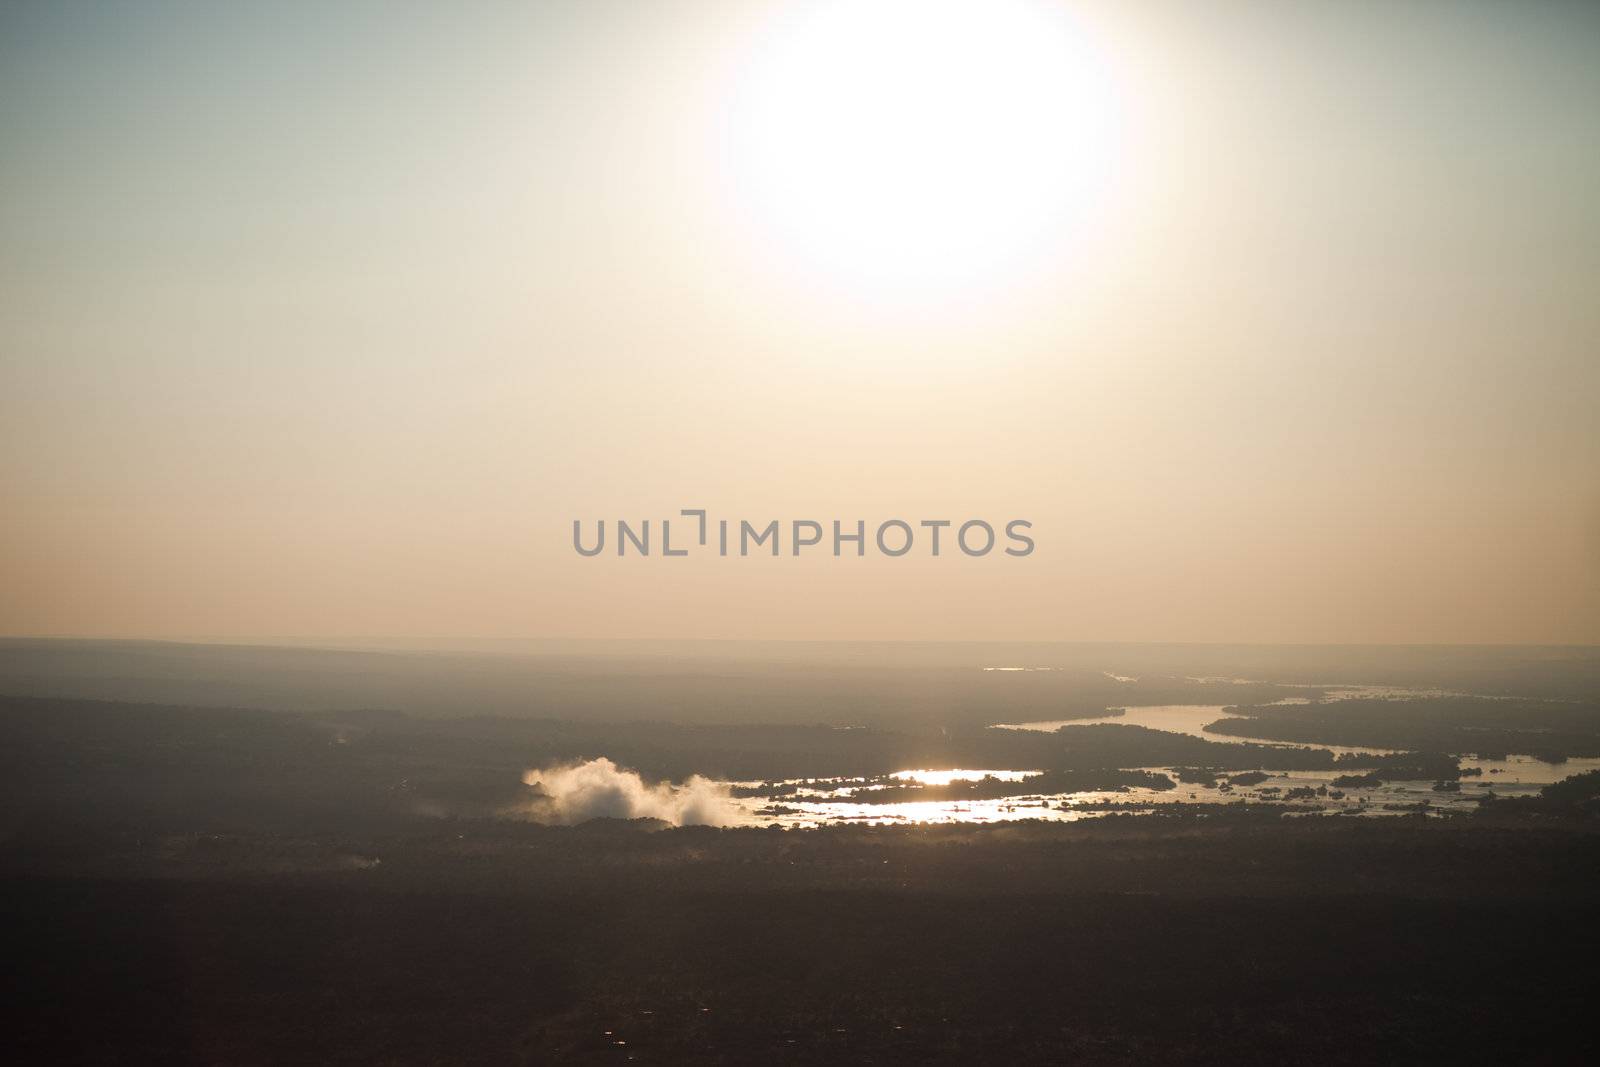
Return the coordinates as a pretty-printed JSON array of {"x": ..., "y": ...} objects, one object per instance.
[{"x": 598, "y": 788}]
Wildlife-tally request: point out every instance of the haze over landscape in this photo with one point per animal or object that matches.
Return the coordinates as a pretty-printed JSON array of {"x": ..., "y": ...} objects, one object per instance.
[
  {"x": 1277, "y": 321},
  {"x": 1132, "y": 589}
]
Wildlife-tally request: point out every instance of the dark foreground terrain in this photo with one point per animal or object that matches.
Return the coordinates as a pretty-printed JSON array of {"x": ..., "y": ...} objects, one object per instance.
[
  {"x": 1155, "y": 939},
  {"x": 347, "y": 885}
]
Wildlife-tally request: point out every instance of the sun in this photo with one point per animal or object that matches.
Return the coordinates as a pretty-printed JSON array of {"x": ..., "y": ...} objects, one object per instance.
[{"x": 919, "y": 146}]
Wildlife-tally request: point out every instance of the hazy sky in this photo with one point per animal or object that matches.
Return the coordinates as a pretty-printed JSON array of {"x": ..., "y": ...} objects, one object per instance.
[{"x": 1280, "y": 321}]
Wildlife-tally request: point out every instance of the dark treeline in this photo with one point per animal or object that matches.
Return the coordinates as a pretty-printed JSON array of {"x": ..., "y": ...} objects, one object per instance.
[
  {"x": 1577, "y": 795},
  {"x": 886, "y": 686}
]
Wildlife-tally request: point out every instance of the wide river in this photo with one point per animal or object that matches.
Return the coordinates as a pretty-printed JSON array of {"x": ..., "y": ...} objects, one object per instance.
[{"x": 815, "y": 801}]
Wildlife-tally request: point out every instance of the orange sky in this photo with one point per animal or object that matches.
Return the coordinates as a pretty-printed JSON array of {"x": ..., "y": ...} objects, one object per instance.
[{"x": 330, "y": 324}]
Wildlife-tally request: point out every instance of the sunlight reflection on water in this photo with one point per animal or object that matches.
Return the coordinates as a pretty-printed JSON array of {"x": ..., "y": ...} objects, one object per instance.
[
  {"x": 825, "y": 801},
  {"x": 820, "y": 801},
  {"x": 927, "y": 777},
  {"x": 1190, "y": 719}
]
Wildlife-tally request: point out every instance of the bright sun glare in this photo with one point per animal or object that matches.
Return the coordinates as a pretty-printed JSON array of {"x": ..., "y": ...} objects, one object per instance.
[{"x": 915, "y": 146}]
